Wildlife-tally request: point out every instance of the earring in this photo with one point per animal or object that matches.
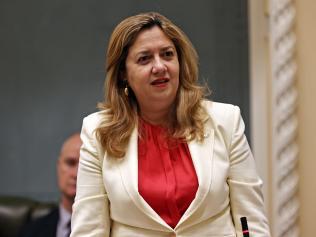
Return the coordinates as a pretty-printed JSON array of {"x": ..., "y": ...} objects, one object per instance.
[{"x": 126, "y": 90}]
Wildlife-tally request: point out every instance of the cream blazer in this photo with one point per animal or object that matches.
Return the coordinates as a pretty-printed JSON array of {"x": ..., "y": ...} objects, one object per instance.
[{"x": 107, "y": 202}]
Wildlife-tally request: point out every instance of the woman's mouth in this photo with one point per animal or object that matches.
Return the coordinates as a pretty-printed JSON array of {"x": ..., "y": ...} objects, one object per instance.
[{"x": 159, "y": 82}]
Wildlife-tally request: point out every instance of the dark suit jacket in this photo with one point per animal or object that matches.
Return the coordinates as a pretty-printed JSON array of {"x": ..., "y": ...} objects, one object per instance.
[{"x": 43, "y": 227}]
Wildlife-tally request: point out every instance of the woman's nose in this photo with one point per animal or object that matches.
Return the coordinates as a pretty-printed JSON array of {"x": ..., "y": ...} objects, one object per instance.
[{"x": 158, "y": 66}]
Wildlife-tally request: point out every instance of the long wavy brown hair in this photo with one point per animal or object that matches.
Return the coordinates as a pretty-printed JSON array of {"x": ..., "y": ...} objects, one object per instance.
[{"x": 120, "y": 112}]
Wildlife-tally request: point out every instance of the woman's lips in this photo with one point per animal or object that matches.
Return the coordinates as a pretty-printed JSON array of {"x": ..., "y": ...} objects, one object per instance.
[{"x": 159, "y": 82}]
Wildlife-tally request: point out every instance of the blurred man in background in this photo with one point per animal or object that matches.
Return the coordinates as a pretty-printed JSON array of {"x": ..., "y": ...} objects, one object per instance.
[{"x": 57, "y": 222}]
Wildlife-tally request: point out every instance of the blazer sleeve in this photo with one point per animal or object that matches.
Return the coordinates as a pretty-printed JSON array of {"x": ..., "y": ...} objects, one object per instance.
[
  {"x": 246, "y": 197},
  {"x": 90, "y": 215}
]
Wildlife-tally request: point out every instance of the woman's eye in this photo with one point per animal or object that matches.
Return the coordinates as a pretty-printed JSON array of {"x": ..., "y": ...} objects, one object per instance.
[
  {"x": 143, "y": 59},
  {"x": 169, "y": 53}
]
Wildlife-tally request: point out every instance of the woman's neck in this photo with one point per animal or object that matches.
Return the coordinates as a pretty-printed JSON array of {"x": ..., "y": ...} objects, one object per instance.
[{"x": 161, "y": 117}]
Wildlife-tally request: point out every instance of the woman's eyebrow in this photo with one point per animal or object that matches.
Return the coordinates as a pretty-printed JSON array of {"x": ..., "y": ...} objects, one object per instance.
[
  {"x": 146, "y": 51},
  {"x": 142, "y": 52},
  {"x": 168, "y": 47}
]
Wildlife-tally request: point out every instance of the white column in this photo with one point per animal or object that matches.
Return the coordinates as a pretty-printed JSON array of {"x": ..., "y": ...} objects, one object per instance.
[
  {"x": 273, "y": 105},
  {"x": 284, "y": 118}
]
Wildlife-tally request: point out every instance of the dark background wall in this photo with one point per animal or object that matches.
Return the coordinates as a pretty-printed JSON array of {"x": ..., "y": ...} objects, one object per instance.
[{"x": 51, "y": 73}]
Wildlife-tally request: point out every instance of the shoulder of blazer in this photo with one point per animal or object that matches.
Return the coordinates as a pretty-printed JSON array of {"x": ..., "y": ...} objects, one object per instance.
[
  {"x": 43, "y": 226},
  {"x": 223, "y": 117},
  {"x": 221, "y": 113},
  {"x": 88, "y": 132},
  {"x": 92, "y": 121}
]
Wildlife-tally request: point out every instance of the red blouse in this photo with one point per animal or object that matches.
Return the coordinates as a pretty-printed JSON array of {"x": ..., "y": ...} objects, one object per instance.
[{"x": 166, "y": 176}]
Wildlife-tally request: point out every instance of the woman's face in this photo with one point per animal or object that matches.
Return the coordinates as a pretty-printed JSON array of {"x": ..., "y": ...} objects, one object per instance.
[{"x": 152, "y": 69}]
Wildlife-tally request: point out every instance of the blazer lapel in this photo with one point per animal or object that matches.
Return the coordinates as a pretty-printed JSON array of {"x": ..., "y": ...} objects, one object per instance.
[
  {"x": 129, "y": 172},
  {"x": 202, "y": 156}
]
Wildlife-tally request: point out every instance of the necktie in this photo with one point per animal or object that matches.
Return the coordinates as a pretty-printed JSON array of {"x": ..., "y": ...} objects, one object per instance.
[{"x": 68, "y": 228}]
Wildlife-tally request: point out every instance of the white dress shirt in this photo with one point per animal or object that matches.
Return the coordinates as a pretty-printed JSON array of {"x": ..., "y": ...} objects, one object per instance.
[{"x": 63, "y": 226}]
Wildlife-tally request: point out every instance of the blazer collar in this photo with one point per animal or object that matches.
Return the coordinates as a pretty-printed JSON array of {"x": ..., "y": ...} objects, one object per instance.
[
  {"x": 202, "y": 157},
  {"x": 129, "y": 174},
  {"x": 201, "y": 153}
]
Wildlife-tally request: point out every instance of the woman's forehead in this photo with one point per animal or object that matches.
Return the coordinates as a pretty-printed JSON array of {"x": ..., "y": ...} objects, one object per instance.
[{"x": 151, "y": 38}]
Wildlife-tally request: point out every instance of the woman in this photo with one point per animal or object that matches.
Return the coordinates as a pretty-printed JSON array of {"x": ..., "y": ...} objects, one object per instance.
[{"x": 158, "y": 159}]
